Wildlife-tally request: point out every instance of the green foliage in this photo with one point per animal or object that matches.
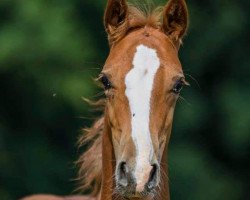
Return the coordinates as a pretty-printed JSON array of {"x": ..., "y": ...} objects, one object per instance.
[{"x": 51, "y": 50}]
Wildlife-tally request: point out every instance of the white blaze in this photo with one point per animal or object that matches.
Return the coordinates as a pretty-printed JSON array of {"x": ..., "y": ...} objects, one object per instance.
[{"x": 139, "y": 84}]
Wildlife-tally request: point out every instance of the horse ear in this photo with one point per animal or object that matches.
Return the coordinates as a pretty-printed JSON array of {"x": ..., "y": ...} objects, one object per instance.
[
  {"x": 175, "y": 20},
  {"x": 115, "y": 15}
]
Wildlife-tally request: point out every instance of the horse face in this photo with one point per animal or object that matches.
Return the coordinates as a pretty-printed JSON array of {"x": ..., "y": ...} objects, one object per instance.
[{"x": 142, "y": 78}]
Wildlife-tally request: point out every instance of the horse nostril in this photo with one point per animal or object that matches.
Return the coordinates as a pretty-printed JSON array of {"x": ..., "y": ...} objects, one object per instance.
[
  {"x": 152, "y": 182},
  {"x": 123, "y": 174},
  {"x": 123, "y": 170}
]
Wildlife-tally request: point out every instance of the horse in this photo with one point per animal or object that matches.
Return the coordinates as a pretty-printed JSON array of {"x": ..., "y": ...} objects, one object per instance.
[{"x": 142, "y": 79}]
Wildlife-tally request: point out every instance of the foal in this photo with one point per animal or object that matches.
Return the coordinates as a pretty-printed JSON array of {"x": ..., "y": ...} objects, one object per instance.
[{"x": 142, "y": 79}]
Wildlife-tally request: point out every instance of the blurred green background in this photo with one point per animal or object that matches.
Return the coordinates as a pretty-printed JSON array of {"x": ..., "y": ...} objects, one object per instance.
[{"x": 50, "y": 50}]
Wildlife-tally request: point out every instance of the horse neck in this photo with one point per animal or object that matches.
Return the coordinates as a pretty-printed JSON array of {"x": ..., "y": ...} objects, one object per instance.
[{"x": 108, "y": 171}]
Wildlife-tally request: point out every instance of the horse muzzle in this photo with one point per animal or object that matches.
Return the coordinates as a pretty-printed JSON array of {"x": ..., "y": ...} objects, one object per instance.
[{"x": 131, "y": 183}]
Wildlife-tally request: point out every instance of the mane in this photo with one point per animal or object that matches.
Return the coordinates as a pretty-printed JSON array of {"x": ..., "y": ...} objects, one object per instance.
[
  {"x": 90, "y": 162},
  {"x": 139, "y": 16}
]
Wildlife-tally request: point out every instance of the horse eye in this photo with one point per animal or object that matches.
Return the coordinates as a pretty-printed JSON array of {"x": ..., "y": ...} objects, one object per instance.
[
  {"x": 106, "y": 83},
  {"x": 178, "y": 87}
]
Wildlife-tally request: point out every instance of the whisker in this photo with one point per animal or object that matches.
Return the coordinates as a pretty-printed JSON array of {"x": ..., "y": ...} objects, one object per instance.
[{"x": 182, "y": 99}]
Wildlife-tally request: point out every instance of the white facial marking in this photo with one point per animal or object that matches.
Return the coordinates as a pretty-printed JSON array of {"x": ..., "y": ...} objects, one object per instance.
[{"x": 139, "y": 84}]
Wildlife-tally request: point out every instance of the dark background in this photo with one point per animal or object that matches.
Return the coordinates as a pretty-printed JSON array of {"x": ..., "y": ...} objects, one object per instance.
[{"x": 50, "y": 51}]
